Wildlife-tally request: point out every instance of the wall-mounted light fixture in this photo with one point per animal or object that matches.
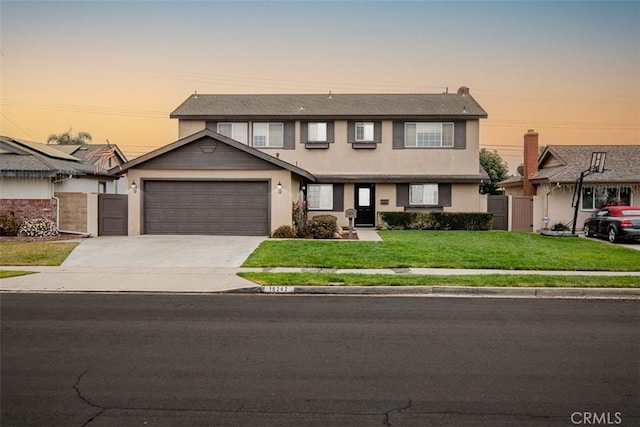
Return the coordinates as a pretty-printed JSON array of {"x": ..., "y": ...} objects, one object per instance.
[
  {"x": 134, "y": 187},
  {"x": 279, "y": 187}
]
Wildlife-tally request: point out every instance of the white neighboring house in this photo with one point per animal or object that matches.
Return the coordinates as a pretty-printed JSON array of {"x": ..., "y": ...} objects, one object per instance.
[
  {"x": 550, "y": 178},
  {"x": 57, "y": 182}
]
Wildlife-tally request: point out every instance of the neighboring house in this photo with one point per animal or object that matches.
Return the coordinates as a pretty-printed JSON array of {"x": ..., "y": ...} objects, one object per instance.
[
  {"x": 47, "y": 181},
  {"x": 551, "y": 179},
  {"x": 243, "y": 160}
]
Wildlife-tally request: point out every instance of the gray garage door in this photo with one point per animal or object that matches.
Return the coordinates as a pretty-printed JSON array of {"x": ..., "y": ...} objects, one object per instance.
[{"x": 206, "y": 207}]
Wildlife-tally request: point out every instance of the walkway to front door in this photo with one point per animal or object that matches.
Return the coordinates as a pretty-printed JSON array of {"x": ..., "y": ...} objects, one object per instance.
[{"x": 365, "y": 201}]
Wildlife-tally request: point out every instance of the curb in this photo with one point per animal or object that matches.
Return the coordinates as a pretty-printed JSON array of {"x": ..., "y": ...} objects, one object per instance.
[{"x": 458, "y": 291}]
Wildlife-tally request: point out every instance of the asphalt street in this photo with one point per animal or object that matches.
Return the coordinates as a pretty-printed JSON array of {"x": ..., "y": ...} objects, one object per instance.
[{"x": 274, "y": 360}]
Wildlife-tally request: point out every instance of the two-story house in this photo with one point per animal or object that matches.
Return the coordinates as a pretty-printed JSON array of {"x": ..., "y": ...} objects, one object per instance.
[{"x": 243, "y": 160}]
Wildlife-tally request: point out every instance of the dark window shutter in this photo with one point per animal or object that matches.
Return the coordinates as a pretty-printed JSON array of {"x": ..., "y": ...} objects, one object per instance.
[
  {"x": 289, "y": 135},
  {"x": 303, "y": 132},
  {"x": 444, "y": 194},
  {"x": 330, "y": 131},
  {"x": 212, "y": 126},
  {"x": 402, "y": 194},
  {"x": 377, "y": 132},
  {"x": 338, "y": 197},
  {"x": 351, "y": 132},
  {"x": 398, "y": 136},
  {"x": 460, "y": 135}
]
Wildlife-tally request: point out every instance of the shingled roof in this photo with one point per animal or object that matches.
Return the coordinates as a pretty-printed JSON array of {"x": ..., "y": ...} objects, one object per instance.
[
  {"x": 21, "y": 158},
  {"x": 563, "y": 163},
  {"x": 211, "y": 106}
]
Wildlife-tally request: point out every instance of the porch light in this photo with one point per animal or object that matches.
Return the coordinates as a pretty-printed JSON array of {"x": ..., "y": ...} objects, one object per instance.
[
  {"x": 279, "y": 187},
  {"x": 134, "y": 187}
]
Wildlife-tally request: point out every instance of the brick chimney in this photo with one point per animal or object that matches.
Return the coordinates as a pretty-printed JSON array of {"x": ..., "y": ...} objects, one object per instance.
[
  {"x": 463, "y": 90},
  {"x": 530, "y": 161}
]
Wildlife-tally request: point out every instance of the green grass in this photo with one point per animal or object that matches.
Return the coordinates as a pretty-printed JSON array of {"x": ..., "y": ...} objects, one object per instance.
[
  {"x": 13, "y": 273},
  {"x": 450, "y": 249},
  {"x": 35, "y": 253},
  {"x": 497, "y": 280}
]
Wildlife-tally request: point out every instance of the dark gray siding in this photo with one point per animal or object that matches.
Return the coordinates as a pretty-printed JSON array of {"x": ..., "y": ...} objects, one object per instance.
[
  {"x": 460, "y": 135},
  {"x": 207, "y": 154},
  {"x": 206, "y": 207}
]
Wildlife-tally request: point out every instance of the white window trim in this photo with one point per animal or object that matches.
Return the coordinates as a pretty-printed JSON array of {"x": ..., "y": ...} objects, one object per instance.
[
  {"x": 268, "y": 143},
  {"x": 325, "y": 201},
  {"x": 417, "y": 125},
  {"x": 593, "y": 200},
  {"x": 365, "y": 126},
  {"x": 433, "y": 194}
]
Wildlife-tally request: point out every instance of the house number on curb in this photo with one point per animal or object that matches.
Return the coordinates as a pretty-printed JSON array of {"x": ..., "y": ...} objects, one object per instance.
[{"x": 277, "y": 289}]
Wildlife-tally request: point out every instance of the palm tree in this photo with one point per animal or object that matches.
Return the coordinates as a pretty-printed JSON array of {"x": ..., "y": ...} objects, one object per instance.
[{"x": 68, "y": 139}]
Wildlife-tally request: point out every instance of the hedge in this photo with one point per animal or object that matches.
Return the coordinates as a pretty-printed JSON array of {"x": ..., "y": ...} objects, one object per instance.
[{"x": 435, "y": 221}]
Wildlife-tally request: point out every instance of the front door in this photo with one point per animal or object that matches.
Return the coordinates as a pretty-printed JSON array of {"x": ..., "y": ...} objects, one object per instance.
[{"x": 365, "y": 205}]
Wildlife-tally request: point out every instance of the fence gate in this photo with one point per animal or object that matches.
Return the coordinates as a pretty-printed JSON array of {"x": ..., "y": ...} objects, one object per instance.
[
  {"x": 499, "y": 207},
  {"x": 112, "y": 215},
  {"x": 522, "y": 213}
]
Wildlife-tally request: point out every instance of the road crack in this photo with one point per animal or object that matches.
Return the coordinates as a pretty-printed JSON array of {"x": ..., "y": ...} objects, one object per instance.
[
  {"x": 386, "y": 421},
  {"x": 76, "y": 387}
]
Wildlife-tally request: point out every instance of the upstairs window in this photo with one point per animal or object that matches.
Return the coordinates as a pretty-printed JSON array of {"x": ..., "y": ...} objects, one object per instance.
[
  {"x": 268, "y": 135},
  {"x": 364, "y": 131},
  {"x": 427, "y": 134},
  {"x": 423, "y": 194},
  {"x": 317, "y": 132},
  {"x": 237, "y": 131}
]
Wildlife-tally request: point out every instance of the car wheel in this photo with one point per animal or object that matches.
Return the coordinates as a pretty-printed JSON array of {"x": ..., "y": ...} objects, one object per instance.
[
  {"x": 612, "y": 235},
  {"x": 587, "y": 232}
]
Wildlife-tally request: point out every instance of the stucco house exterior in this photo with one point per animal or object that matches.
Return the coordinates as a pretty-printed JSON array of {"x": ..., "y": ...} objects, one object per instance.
[
  {"x": 241, "y": 161},
  {"x": 551, "y": 179},
  {"x": 49, "y": 181}
]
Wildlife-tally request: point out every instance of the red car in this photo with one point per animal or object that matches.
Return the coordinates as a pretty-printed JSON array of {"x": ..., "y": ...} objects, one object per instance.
[{"x": 615, "y": 223}]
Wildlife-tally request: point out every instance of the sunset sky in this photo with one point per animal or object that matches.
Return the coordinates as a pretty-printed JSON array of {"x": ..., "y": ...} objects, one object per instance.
[{"x": 568, "y": 69}]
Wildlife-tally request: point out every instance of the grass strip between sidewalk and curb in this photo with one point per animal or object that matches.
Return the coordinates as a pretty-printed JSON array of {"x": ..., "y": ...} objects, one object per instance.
[
  {"x": 50, "y": 254},
  {"x": 14, "y": 273},
  {"x": 493, "y": 280}
]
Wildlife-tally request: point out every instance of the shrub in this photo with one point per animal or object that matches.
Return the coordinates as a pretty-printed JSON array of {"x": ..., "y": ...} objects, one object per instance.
[
  {"x": 560, "y": 227},
  {"x": 9, "y": 225},
  {"x": 435, "y": 220},
  {"x": 284, "y": 232},
  {"x": 323, "y": 226},
  {"x": 38, "y": 227},
  {"x": 300, "y": 220}
]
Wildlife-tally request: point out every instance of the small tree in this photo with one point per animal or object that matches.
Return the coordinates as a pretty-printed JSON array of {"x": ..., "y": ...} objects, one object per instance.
[
  {"x": 495, "y": 167},
  {"x": 67, "y": 139}
]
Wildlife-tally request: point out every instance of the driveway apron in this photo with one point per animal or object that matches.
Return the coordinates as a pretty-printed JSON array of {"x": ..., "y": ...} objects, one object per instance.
[{"x": 155, "y": 251}]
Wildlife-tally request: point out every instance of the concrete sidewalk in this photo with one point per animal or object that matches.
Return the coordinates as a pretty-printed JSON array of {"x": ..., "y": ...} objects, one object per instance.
[{"x": 218, "y": 280}]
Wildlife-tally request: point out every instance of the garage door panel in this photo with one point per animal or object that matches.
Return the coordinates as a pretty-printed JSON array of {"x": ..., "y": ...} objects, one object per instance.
[{"x": 206, "y": 207}]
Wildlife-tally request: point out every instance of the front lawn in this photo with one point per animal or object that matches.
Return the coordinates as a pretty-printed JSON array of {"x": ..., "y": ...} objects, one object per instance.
[
  {"x": 449, "y": 249},
  {"x": 35, "y": 253}
]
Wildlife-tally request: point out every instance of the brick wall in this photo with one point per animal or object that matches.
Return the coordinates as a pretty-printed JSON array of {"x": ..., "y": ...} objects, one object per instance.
[
  {"x": 530, "y": 161},
  {"x": 25, "y": 209}
]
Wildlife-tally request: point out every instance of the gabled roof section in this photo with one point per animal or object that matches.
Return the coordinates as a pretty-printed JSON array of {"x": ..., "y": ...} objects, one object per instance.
[
  {"x": 563, "y": 163},
  {"x": 211, "y": 106},
  {"x": 20, "y": 158},
  {"x": 221, "y": 138},
  {"x": 82, "y": 151}
]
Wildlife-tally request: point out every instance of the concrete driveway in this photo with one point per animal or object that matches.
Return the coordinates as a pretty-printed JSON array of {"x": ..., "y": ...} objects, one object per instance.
[{"x": 163, "y": 251}]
